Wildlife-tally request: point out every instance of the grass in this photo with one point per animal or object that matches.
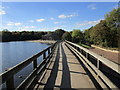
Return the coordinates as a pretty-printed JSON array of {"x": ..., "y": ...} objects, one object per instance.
[{"x": 85, "y": 46}]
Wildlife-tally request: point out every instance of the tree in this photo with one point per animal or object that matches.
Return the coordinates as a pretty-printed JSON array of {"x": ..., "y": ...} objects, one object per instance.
[
  {"x": 60, "y": 32},
  {"x": 6, "y": 35},
  {"x": 113, "y": 19},
  {"x": 67, "y": 36},
  {"x": 77, "y": 36},
  {"x": 100, "y": 34}
]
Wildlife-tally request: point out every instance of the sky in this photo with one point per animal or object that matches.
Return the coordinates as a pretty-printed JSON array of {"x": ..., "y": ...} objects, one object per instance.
[{"x": 49, "y": 16}]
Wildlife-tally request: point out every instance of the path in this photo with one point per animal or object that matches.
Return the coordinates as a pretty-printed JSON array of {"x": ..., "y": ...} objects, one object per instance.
[{"x": 64, "y": 71}]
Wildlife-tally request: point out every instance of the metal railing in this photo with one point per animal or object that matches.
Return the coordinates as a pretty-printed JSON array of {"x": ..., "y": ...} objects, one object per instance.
[
  {"x": 95, "y": 67},
  {"x": 29, "y": 82}
]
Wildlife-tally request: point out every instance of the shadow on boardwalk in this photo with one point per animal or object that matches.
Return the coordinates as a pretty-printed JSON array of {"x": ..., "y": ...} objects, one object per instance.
[
  {"x": 51, "y": 80},
  {"x": 65, "y": 82},
  {"x": 64, "y": 72}
]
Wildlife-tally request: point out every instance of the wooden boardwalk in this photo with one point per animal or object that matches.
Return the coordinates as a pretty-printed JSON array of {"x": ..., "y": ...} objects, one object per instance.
[
  {"x": 65, "y": 65},
  {"x": 64, "y": 71}
]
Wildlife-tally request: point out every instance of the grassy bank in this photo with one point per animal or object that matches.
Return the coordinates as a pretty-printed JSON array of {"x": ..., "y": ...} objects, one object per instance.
[{"x": 85, "y": 46}]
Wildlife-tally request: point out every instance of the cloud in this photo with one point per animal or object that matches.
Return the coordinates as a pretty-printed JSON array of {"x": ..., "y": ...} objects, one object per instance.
[
  {"x": 32, "y": 26},
  {"x": 10, "y": 24},
  {"x": 53, "y": 28},
  {"x": 2, "y": 7},
  {"x": 92, "y": 6},
  {"x": 40, "y": 20},
  {"x": 2, "y": 12},
  {"x": 60, "y": 22},
  {"x": 88, "y": 23},
  {"x": 31, "y": 21},
  {"x": 14, "y": 24},
  {"x": 56, "y": 22},
  {"x": 67, "y": 16},
  {"x": 18, "y": 24},
  {"x": 27, "y": 28},
  {"x": 52, "y": 19}
]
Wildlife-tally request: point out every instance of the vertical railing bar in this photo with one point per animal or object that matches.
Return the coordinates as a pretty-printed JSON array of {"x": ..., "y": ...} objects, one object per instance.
[
  {"x": 99, "y": 64},
  {"x": 44, "y": 55},
  {"x": 35, "y": 64},
  {"x": 86, "y": 55},
  {"x": 10, "y": 83},
  {"x": 49, "y": 51}
]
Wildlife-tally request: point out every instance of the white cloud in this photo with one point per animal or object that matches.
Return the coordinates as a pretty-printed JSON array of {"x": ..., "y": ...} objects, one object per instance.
[
  {"x": 53, "y": 28},
  {"x": 60, "y": 22},
  {"x": 10, "y": 24},
  {"x": 32, "y": 26},
  {"x": 31, "y": 21},
  {"x": 52, "y": 19},
  {"x": 62, "y": 16},
  {"x": 14, "y": 24},
  {"x": 18, "y": 24},
  {"x": 40, "y": 20},
  {"x": 67, "y": 16},
  {"x": 56, "y": 22},
  {"x": 88, "y": 23},
  {"x": 2, "y": 12},
  {"x": 92, "y": 6},
  {"x": 28, "y": 27},
  {"x": 2, "y": 7}
]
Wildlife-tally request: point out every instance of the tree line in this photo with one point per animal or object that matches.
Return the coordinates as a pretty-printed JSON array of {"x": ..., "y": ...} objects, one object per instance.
[
  {"x": 106, "y": 33},
  {"x": 20, "y": 36}
]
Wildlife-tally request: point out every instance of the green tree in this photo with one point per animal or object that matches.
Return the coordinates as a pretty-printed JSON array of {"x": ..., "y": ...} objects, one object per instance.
[
  {"x": 113, "y": 19},
  {"x": 100, "y": 34},
  {"x": 59, "y": 32},
  {"x": 67, "y": 36},
  {"x": 77, "y": 36}
]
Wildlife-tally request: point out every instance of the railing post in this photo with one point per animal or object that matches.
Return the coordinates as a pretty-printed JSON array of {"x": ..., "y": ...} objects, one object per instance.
[
  {"x": 44, "y": 55},
  {"x": 10, "y": 83},
  {"x": 87, "y": 55},
  {"x": 35, "y": 63},
  {"x": 49, "y": 51},
  {"x": 99, "y": 64}
]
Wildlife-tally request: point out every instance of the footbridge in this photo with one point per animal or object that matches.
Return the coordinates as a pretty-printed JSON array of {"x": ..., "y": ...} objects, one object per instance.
[{"x": 65, "y": 65}]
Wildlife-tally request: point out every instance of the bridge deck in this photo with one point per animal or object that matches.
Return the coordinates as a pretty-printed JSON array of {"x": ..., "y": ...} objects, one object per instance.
[{"x": 64, "y": 71}]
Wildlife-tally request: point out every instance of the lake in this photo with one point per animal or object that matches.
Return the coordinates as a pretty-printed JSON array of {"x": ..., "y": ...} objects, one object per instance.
[{"x": 15, "y": 52}]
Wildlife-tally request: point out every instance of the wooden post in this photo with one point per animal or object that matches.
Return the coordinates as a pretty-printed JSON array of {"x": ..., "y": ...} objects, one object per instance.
[
  {"x": 86, "y": 55},
  {"x": 35, "y": 64},
  {"x": 44, "y": 55},
  {"x": 49, "y": 51},
  {"x": 99, "y": 64},
  {"x": 10, "y": 83}
]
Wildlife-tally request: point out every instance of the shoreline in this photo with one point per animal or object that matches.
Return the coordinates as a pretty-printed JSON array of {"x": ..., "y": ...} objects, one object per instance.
[{"x": 43, "y": 41}]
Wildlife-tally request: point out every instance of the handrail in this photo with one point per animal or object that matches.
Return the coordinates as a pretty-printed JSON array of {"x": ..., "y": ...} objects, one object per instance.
[
  {"x": 114, "y": 66},
  {"x": 95, "y": 70},
  {"x": 7, "y": 76}
]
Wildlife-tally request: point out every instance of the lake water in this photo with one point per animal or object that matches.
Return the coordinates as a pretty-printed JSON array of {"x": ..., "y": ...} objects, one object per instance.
[{"x": 16, "y": 52}]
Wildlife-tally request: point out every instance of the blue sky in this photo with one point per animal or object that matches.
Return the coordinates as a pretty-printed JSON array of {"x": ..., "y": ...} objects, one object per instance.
[{"x": 49, "y": 16}]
